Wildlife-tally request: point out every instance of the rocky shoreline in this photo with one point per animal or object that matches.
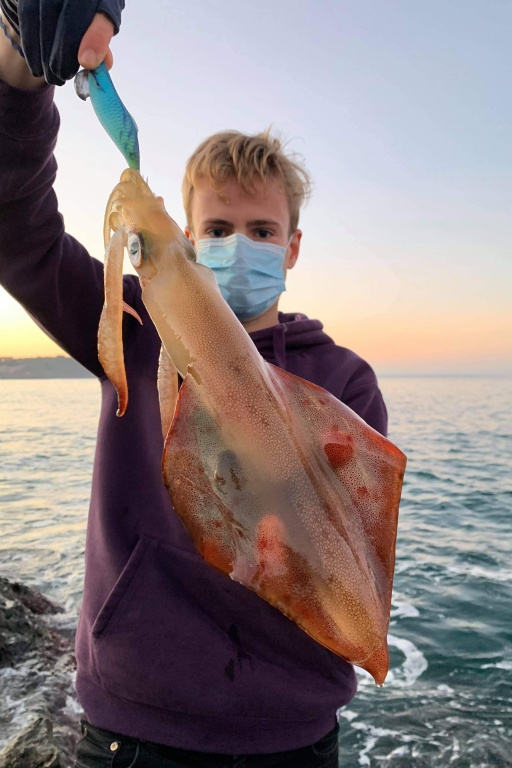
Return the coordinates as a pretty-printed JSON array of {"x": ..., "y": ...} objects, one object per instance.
[{"x": 38, "y": 713}]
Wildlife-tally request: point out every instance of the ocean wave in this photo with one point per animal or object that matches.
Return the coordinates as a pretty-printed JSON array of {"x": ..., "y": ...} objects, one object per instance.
[
  {"x": 406, "y": 674},
  {"x": 403, "y": 609},
  {"x": 498, "y": 665},
  {"x": 478, "y": 572}
]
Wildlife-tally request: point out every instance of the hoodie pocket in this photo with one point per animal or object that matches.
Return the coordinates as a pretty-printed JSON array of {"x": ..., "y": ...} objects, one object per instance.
[
  {"x": 161, "y": 633},
  {"x": 177, "y": 635},
  {"x": 121, "y": 589}
]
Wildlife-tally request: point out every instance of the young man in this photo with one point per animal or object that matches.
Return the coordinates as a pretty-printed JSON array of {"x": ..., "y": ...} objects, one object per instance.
[{"x": 177, "y": 665}]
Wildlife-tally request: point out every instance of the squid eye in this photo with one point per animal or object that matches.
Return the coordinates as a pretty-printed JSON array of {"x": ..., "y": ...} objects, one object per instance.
[{"x": 135, "y": 248}]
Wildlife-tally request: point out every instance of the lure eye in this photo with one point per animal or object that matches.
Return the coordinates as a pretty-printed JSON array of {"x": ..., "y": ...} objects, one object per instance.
[{"x": 135, "y": 248}]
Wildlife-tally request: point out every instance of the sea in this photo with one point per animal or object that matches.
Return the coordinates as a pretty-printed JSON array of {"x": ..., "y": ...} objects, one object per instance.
[{"x": 447, "y": 701}]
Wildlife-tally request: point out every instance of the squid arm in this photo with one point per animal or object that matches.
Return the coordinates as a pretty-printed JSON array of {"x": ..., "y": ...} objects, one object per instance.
[{"x": 110, "y": 331}]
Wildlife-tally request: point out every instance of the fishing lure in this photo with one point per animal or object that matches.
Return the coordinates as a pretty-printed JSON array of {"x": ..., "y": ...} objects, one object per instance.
[{"x": 110, "y": 110}]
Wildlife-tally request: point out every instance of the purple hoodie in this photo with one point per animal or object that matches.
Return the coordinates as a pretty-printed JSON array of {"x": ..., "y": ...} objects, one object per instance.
[{"x": 168, "y": 650}]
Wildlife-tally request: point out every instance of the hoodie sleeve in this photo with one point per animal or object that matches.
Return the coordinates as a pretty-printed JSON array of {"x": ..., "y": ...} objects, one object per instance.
[
  {"x": 363, "y": 395},
  {"x": 46, "y": 270}
]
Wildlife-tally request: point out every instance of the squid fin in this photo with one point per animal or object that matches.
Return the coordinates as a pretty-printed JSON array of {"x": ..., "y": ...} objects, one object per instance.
[{"x": 167, "y": 389}]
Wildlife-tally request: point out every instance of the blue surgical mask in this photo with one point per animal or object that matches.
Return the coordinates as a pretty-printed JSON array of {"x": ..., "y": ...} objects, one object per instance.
[{"x": 249, "y": 273}]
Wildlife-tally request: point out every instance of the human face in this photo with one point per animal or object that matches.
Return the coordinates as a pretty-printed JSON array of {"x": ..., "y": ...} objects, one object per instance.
[{"x": 262, "y": 216}]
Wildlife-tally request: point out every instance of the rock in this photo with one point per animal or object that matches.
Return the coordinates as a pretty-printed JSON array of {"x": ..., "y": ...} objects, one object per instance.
[
  {"x": 31, "y": 599},
  {"x": 36, "y": 678},
  {"x": 22, "y": 631},
  {"x": 33, "y": 747}
]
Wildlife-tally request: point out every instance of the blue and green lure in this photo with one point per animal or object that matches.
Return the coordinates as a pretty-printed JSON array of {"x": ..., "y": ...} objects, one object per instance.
[{"x": 112, "y": 114}]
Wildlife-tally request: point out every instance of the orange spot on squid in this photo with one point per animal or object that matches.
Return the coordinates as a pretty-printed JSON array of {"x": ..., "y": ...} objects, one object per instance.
[{"x": 338, "y": 455}]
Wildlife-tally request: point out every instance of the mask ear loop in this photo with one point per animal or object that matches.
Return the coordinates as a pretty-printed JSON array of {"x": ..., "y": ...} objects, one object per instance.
[{"x": 286, "y": 248}]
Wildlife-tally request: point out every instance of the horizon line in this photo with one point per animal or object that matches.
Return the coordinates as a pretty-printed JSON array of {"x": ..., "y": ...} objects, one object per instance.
[{"x": 380, "y": 374}]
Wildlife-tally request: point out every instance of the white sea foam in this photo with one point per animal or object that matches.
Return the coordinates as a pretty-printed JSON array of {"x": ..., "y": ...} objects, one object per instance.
[
  {"x": 455, "y": 750},
  {"x": 413, "y": 666},
  {"x": 499, "y": 665},
  {"x": 10, "y": 672},
  {"x": 415, "y": 662},
  {"x": 443, "y": 688},
  {"x": 402, "y": 609},
  {"x": 373, "y": 734},
  {"x": 363, "y": 755},
  {"x": 72, "y": 706},
  {"x": 489, "y": 574},
  {"x": 399, "y": 751}
]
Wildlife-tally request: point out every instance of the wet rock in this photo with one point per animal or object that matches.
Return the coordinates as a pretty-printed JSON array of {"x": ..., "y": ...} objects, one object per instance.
[
  {"x": 36, "y": 680},
  {"x": 33, "y": 747},
  {"x": 22, "y": 631}
]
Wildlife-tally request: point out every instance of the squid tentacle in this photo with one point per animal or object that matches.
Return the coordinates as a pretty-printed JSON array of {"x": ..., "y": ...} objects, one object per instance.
[{"x": 110, "y": 331}]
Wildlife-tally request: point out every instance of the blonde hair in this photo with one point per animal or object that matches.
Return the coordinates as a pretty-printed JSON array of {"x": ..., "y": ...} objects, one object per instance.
[{"x": 247, "y": 159}]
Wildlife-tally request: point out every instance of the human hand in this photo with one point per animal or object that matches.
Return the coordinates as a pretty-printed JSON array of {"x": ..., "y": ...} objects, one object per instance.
[
  {"x": 57, "y": 37},
  {"x": 94, "y": 47}
]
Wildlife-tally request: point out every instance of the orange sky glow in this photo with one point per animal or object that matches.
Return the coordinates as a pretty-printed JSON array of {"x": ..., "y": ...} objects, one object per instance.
[{"x": 400, "y": 117}]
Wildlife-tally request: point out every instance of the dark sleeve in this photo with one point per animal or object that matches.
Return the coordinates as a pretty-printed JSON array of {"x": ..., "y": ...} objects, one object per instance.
[
  {"x": 363, "y": 395},
  {"x": 46, "y": 270}
]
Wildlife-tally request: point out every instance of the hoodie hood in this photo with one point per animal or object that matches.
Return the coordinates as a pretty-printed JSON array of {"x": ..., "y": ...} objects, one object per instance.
[{"x": 294, "y": 331}]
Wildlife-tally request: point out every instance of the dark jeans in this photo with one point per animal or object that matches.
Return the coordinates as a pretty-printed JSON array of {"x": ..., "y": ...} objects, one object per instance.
[{"x": 103, "y": 749}]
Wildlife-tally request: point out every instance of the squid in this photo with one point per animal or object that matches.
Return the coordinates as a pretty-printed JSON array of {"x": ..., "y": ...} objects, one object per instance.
[{"x": 281, "y": 486}]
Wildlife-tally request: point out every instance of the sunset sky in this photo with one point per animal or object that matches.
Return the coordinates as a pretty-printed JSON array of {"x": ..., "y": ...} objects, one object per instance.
[{"x": 402, "y": 112}]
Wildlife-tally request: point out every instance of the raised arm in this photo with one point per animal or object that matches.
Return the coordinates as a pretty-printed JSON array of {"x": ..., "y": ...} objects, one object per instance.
[{"x": 45, "y": 269}]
